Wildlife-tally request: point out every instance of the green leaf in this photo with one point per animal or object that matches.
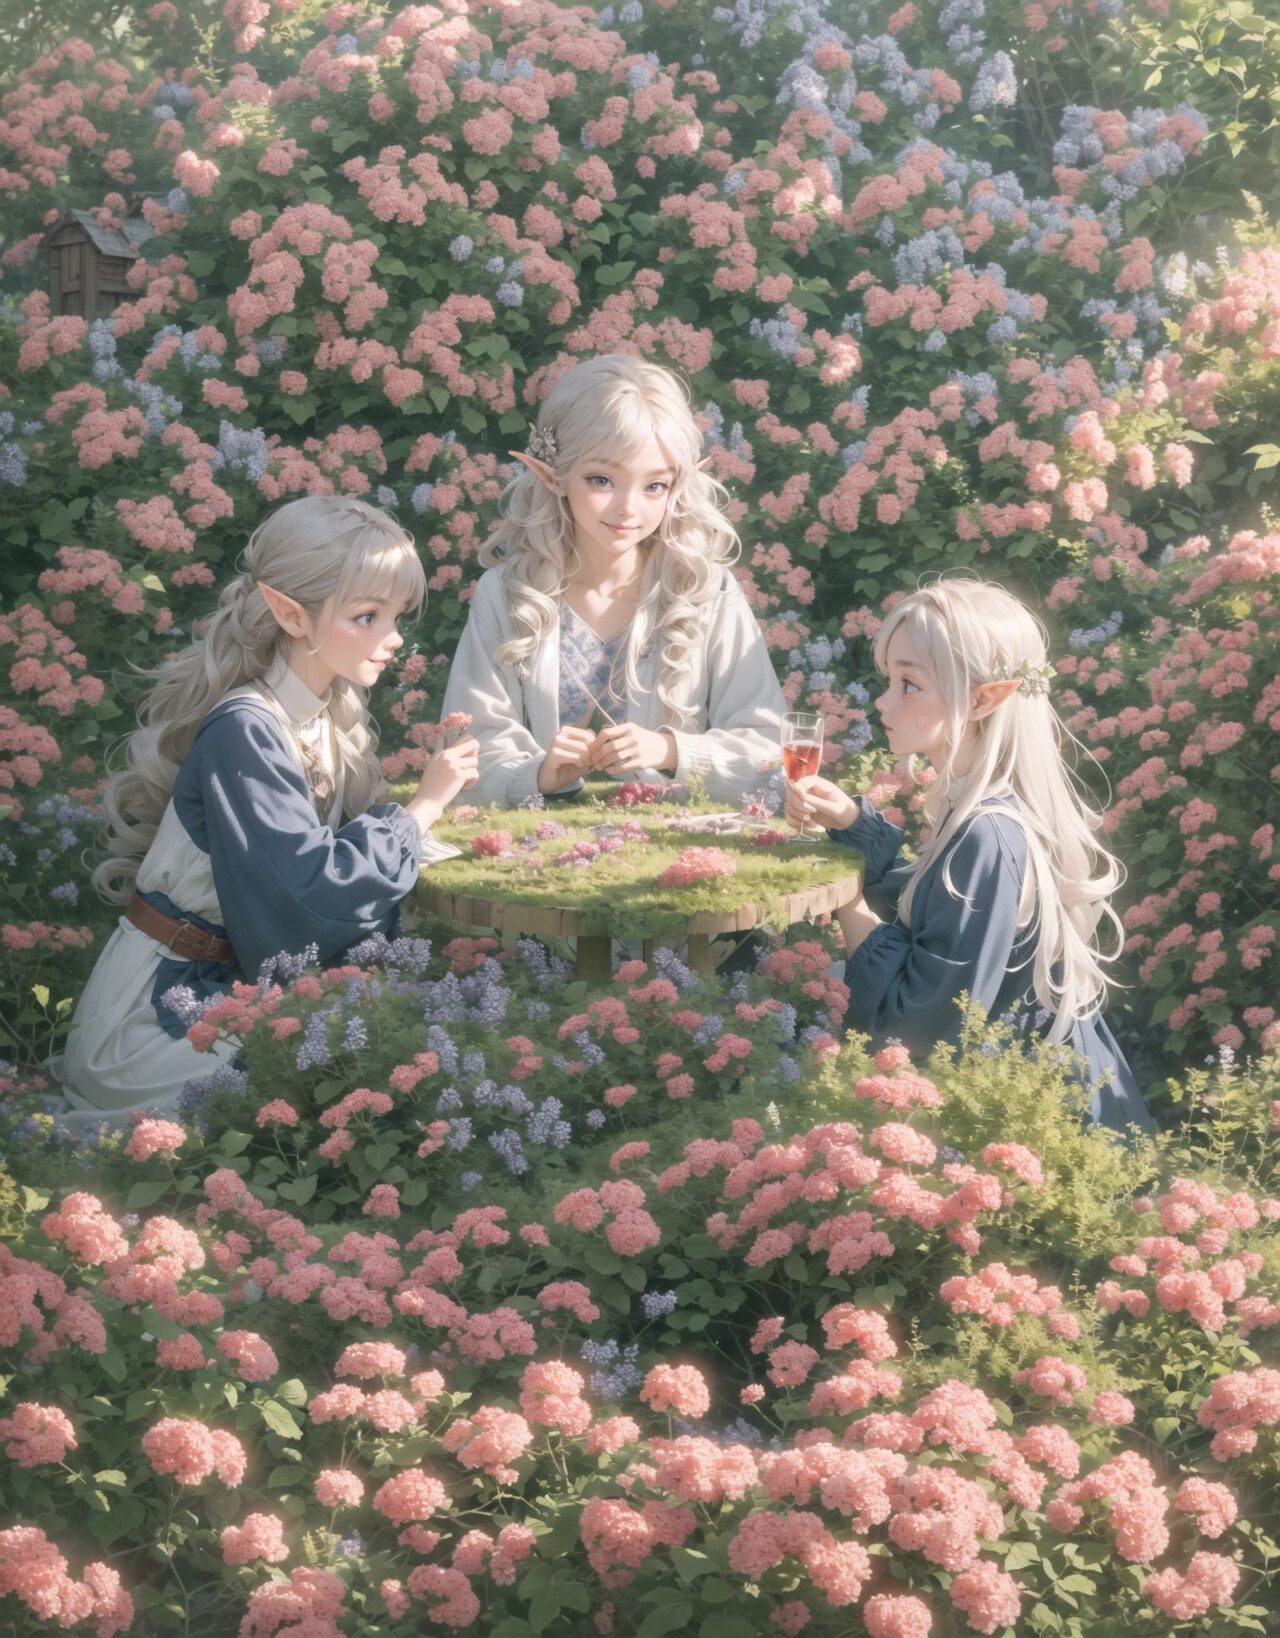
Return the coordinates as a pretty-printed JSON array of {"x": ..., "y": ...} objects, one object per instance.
[
  {"x": 126, "y": 1514},
  {"x": 146, "y": 1194},
  {"x": 690, "y": 1564},
  {"x": 667, "y": 1618},
  {"x": 200, "y": 263},
  {"x": 544, "y": 1609},
  {"x": 279, "y": 1419},
  {"x": 722, "y": 1625},
  {"x": 1164, "y": 1427},
  {"x": 292, "y": 1392},
  {"x": 113, "y": 1364},
  {"x": 34, "y": 1200},
  {"x": 299, "y": 410},
  {"x": 234, "y": 1143},
  {"x": 300, "y": 1190}
]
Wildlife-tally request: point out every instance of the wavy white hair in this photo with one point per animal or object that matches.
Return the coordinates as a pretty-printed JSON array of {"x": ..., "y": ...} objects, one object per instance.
[
  {"x": 320, "y": 550},
  {"x": 606, "y": 409},
  {"x": 966, "y": 632}
]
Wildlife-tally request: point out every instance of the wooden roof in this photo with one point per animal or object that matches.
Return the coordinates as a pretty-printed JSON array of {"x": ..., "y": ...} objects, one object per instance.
[{"x": 107, "y": 241}]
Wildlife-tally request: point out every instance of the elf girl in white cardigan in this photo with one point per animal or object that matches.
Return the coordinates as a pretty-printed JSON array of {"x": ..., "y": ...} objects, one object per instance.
[{"x": 608, "y": 596}]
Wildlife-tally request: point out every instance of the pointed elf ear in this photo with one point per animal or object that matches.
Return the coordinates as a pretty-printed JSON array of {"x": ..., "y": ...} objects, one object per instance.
[
  {"x": 291, "y": 617},
  {"x": 544, "y": 473},
  {"x": 987, "y": 696}
]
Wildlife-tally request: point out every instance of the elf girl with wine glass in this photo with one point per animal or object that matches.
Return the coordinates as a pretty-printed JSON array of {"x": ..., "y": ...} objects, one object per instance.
[
  {"x": 607, "y": 599},
  {"x": 1006, "y": 898},
  {"x": 250, "y": 820}
]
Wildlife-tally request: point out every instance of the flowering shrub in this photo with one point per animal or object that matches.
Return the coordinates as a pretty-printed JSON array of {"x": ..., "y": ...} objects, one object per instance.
[
  {"x": 374, "y": 1093},
  {"x": 1169, "y": 682},
  {"x": 642, "y": 1381}
]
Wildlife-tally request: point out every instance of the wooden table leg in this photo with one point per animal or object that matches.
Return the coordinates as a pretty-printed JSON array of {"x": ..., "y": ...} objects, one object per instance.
[
  {"x": 593, "y": 957},
  {"x": 698, "y": 957},
  {"x": 646, "y": 951}
]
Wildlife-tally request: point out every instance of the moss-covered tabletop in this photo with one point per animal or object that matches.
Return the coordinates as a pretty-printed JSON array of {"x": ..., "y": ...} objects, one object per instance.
[{"x": 597, "y": 869}]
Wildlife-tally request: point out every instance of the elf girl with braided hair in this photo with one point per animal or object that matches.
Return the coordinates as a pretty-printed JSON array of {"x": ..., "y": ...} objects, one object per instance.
[
  {"x": 250, "y": 820},
  {"x": 1006, "y": 898},
  {"x": 608, "y": 598}
]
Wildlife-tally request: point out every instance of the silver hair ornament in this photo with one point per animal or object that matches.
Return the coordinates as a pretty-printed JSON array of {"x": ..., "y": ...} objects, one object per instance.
[
  {"x": 542, "y": 445},
  {"x": 1031, "y": 679}
]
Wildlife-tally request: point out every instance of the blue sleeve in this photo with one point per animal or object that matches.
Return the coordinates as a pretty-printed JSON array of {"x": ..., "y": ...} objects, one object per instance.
[
  {"x": 904, "y": 982},
  {"x": 284, "y": 879},
  {"x": 880, "y": 843}
]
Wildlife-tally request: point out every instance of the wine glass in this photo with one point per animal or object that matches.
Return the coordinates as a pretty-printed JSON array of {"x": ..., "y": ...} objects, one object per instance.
[{"x": 801, "y": 750}]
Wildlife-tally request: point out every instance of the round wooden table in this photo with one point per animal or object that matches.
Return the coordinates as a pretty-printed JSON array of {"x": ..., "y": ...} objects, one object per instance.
[{"x": 594, "y": 933}]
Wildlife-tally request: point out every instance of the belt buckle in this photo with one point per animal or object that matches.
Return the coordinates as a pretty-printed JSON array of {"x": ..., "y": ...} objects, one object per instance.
[{"x": 182, "y": 928}]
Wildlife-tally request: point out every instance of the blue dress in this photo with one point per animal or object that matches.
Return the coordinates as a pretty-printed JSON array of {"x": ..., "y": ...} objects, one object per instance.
[
  {"x": 904, "y": 981},
  {"x": 248, "y": 848}
]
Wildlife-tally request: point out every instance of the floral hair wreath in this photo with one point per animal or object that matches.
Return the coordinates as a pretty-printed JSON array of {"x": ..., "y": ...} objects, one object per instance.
[
  {"x": 542, "y": 445},
  {"x": 1031, "y": 679}
]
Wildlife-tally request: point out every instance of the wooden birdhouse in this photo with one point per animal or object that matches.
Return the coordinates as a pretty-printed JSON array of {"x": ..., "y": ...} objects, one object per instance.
[{"x": 88, "y": 266}]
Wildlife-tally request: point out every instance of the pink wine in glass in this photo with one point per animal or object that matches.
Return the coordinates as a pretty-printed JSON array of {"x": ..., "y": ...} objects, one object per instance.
[{"x": 799, "y": 761}]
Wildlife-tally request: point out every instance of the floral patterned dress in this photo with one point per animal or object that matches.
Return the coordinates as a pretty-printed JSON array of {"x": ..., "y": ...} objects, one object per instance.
[{"x": 588, "y": 671}]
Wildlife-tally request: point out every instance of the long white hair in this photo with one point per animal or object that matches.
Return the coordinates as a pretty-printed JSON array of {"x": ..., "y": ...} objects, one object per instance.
[
  {"x": 968, "y": 632},
  {"x": 606, "y": 409},
  {"x": 319, "y": 550}
]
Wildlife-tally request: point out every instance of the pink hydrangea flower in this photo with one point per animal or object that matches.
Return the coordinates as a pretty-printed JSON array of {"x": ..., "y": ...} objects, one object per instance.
[
  {"x": 410, "y": 1495},
  {"x": 155, "y": 1137},
  {"x": 35, "y": 1434},
  {"x": 337, "y": 1487},
  {"x": 260, "y": 1536},
  {"x": 698, "y": 864},
  {"x": 679, "y": 1389},
  {"x": 252, "y": 1353}
]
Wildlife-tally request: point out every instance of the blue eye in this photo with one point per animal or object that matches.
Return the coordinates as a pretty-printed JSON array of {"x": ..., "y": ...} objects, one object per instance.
[{"x": 597, "y": 477}]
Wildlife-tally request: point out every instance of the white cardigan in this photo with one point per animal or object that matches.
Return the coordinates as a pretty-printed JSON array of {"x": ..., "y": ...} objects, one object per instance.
[{"x": 515, "y": 709}]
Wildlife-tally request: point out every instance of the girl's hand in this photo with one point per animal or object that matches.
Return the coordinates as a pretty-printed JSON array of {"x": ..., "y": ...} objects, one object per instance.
[
  {"x": 816, "y": 798},
  {"x": 568, "y": 758},
  {"x": 454, "y": 768},
  {"x": 625, "y": 747}
]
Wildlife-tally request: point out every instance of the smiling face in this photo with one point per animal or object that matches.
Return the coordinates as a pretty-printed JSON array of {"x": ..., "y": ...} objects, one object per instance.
[
  {"x": 617, "y": 504},
  {"x": 911, "y": 707},
  {"x": 354, "y": 641}
]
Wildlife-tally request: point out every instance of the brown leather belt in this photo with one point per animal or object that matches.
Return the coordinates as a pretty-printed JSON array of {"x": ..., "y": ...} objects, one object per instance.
[{"x": 187, "y": 941}]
